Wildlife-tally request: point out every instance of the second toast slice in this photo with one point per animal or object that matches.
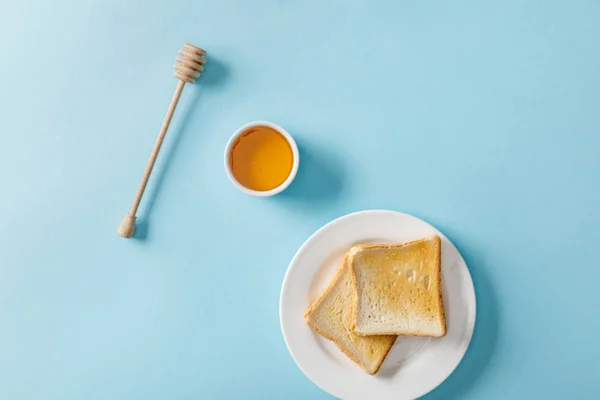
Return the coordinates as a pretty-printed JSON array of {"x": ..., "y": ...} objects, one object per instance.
[{"x": 330, "y": 316}]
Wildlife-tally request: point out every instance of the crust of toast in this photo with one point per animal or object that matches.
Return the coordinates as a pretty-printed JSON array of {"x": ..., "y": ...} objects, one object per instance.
[
  {"x": 342, "y": 348},
  {"x": 318, "y": 301},
  {"x": 393, "y": 246}
]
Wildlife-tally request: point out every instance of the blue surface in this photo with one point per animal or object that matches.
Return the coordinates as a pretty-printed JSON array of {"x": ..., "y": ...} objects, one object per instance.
[{"x": 482, "y": 119}]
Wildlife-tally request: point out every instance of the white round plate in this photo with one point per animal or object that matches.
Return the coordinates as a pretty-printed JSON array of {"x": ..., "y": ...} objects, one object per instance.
[{"x": 415, "y": 365}]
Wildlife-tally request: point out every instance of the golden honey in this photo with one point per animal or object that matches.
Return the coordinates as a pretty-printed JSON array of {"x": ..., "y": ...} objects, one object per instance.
[{"x": 261, "y": 159}]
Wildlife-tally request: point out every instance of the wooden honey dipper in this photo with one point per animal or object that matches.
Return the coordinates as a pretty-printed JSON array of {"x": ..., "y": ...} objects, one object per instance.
[{"x": 187, "y": 68}]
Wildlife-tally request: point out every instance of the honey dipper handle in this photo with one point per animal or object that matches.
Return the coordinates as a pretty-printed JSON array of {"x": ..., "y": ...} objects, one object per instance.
[
  {"x": 156, "y": 149},
  {"x": 128, "y": 225}
]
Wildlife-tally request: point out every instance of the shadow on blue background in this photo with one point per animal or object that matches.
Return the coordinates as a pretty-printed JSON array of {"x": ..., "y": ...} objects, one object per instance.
[
  {"x": 215, "y": 75},
  {"x": 320, "y": 182},
  {"x": 485, "y": 336}
]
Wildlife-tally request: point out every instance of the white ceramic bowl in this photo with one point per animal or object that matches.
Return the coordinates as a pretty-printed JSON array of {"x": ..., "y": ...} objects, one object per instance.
[{"x": 295, "y": 164}]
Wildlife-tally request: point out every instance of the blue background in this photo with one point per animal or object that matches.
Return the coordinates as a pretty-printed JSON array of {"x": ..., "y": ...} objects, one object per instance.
[{"x": 479, "y": 117}]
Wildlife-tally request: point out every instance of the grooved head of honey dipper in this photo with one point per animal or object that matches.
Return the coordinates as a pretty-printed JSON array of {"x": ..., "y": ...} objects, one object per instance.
[{"x": 190, "y": 63}]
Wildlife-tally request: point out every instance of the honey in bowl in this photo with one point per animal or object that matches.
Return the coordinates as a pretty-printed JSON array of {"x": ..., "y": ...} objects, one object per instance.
[{"x": 261, "y": 159}]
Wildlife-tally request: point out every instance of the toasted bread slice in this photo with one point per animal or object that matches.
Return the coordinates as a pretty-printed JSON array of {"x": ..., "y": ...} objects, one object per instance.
[
  {"x": 330, "y": 315},
  {"x": 398, "y": 289}
]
